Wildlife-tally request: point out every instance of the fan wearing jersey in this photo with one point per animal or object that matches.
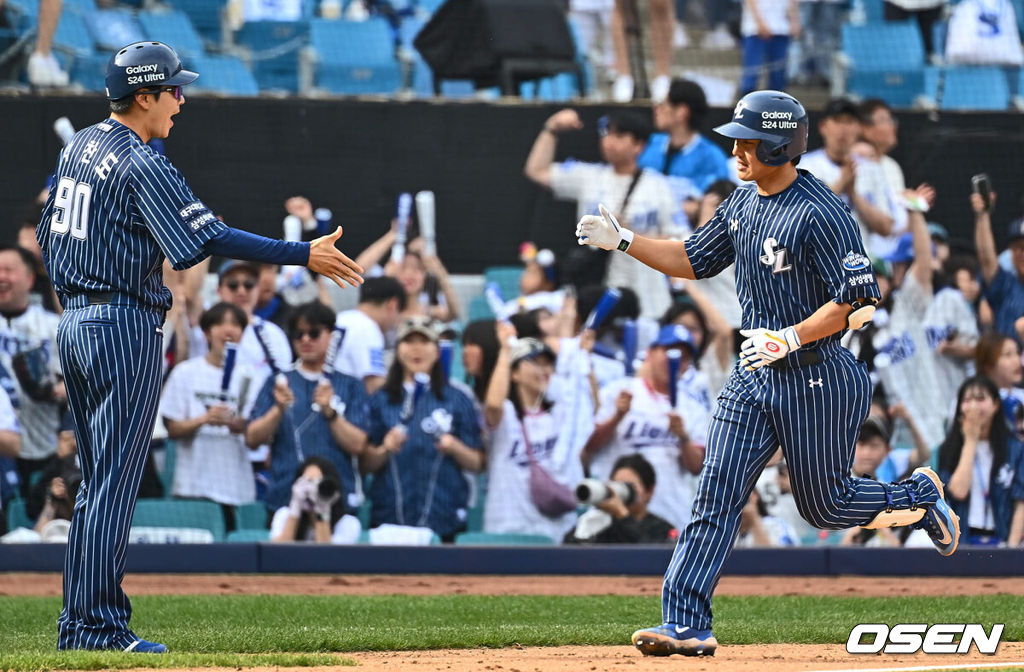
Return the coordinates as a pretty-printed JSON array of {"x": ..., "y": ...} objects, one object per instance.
[
  {"x": 802, "y": 278},
  {"x": 116, "y": 210},
  {"x": 362, "y": 354},
  {"x": 635, "y": 415},
  {"x": 422, "y": 437},
  {"x": 529, "y": 431},
  {"x": 206, "y": 421}
]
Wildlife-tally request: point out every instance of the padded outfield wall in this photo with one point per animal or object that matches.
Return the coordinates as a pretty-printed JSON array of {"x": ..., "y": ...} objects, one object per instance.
[{"x": 244, "y": 157}]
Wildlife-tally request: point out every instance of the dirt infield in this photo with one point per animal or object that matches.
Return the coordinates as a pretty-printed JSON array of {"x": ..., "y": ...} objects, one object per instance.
[{"x": 752, "y": 658}]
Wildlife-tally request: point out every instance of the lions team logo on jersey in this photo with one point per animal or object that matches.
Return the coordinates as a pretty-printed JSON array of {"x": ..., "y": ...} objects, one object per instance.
[
  {"x": 855, "y": 262},
  {"x": 437, "y": 423},
  {"x": 775, "y": 256}
]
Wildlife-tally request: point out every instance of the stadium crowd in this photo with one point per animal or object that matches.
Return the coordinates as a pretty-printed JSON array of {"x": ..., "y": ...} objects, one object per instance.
[{"x": 599, "y": 369}]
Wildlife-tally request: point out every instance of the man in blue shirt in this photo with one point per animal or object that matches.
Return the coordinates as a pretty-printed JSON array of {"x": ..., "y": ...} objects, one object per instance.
[
  {"x": 1003, "y": 289},
  {"x": 689, "y": 160}
]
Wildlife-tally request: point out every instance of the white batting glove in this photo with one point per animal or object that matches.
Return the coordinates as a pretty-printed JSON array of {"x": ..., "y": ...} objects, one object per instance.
[
  {"x": 603, "y": 231},
  {"x": 764, "y": 346}
]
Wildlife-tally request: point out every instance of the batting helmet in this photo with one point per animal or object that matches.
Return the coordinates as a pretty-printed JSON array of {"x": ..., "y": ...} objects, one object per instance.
[
  {"x": 144, "y": 65},
  {"x": 775, "y": 118}
]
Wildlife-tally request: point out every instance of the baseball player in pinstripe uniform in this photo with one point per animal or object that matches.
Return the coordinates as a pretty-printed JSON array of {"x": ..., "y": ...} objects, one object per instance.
[
  {"x": 802, "y": 278},
  {"x": 116, "y": 209}
]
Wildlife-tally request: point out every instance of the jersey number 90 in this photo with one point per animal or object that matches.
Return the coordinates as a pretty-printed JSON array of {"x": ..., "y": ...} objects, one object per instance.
[{"x": 71, "y": 208}]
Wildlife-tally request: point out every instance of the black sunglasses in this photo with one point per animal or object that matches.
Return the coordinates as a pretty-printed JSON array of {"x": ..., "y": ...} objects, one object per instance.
[
  {"x": 313, "y": 333},
  {"x": 233, "y": 285},
  {"x": 176, "y": 91}
]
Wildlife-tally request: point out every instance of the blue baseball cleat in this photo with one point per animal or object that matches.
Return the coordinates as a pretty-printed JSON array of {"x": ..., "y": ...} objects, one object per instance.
[
  {"x": 939, "y": 521},
  {"x": 142, "y": 646},
  {"x": 669, "y": 638}
]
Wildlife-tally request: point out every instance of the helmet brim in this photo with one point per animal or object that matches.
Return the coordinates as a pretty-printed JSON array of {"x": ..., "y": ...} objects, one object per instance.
[
  {"x": 182, "y": 78},
  {"x": 738, "y": 131}
]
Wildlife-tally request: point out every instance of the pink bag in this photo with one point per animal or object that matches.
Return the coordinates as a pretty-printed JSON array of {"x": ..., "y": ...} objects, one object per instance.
[{"x": 549, "y": 496}]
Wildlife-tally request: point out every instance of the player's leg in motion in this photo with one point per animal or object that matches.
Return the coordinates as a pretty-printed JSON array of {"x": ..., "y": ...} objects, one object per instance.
[
  {"x": 818, "y": 411},
  {"x": 111, "y": 362},
  {"x": 740, "y": 442}
]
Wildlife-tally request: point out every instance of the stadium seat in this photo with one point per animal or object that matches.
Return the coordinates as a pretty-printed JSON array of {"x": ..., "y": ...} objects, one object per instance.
[
  {"x": 172, "y": 27},
  {"x": 974, "y": 88},
  {"x": 112, "y": 29},
  {"x": 886, "y": 60},
  {"x": 275, "y": 47},
  {"x": 248, "y": 536},
  {"x": 73, "y": 35},
  {"x": 80, "y": 6},
  {"x": 475, "y": 514},
  {"x": 355, "y": 57},
  {"x": 205, "y": 16},
  {"x": 90, "y": 71},
  {"x": 223, "y": 74},
  {"x": 17, "y": 515},
  {"x": 873, "y": 10},
  {"x": 507, "y": 278},
  {"x": 491, "y": 539},
  {"x": 479, "y": 309},
  {"x": 180, "y": 513},
  {"x": 251, "y": 516}
]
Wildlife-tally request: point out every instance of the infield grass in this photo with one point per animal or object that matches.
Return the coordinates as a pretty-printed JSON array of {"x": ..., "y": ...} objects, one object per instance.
[{"x": 297, "y": 631}]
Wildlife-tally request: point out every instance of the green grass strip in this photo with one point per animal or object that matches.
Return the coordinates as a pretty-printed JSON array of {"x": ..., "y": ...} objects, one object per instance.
[{"x": 296, "y": 630}]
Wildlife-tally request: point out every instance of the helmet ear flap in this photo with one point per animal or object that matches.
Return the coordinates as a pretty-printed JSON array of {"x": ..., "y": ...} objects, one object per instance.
[{"x": 773, "y": 157}]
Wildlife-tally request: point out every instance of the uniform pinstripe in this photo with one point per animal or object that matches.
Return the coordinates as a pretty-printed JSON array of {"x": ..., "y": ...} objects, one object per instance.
[
  {"x": 115, "y": 210},
  {"x": 794, "y": 252}
]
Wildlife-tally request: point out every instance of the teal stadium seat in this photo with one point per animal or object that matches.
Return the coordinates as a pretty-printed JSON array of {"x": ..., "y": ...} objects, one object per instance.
[
  {"x": 73, "y": 36},
  {"x": 112, "y": 29},
  {"x": 205, "y": 16},
  {"x": 355, "y": 57},
  {"x": 490, "y": 539},
  {"x": 479, "y": 309},
  {"x": 886, "y": 60},
  {"x": 180, "y": 513},
  {"x": 172, "y": 27},
  {"x": 248, "y": 536},
  {"x": 507, "y": 278},
  {"x": 17, "y": 515},
  {"x": 275, "y": 48},
  {"x": 251, "y": 516}
]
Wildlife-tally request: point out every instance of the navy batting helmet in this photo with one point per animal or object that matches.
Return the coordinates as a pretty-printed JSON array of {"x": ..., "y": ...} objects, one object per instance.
[
  {"x": 775, "y": 118},
  {"x": 144, "y": 65}
]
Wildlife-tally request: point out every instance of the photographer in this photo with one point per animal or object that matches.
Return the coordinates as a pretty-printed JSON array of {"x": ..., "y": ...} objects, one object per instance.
[
  {"x": 53, "y": 497},
  {"x": 316, "y": 511},
  {"x": 614, "y": 521}
]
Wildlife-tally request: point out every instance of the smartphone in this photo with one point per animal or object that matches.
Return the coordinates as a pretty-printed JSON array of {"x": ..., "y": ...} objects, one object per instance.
[{"x": 983, "y": 188}]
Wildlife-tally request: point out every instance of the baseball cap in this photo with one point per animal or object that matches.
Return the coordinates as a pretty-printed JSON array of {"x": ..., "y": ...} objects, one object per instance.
[
  {"x": 530, "y": 348},
  {"x": 936, "y": 230},
  {"x": 235, "y": 264},
  {"x": 837, "y": 107},
  {"x": 420, "y": 324},
  {"x": 1016, "y": 230},
  {"x": 675, "y": 334},
  {"x": 903, "y": 252}
]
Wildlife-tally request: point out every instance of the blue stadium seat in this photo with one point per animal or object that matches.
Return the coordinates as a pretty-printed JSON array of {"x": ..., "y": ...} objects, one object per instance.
[
  {"x": 205, "y": 16},
  {"x": 90, "y": 71},
  {"x": 886, "y": 61},
  {"x": 180, "y": 513},
  {"x": 275, "y": 47},
  {"x": 974, "y": 88},
  {"x": 80, "y": 6},
  {"x": 17, "y": 516},
  {"x": 251, "y": 516},
  {"x": 172, "y": 27},
  {"x": 112, "y": 29},
  {"x": 355, "y": 57},
  {"x": 73, "y": 35},
  {"x": 873, "y": 10},
  {"x": 491, "y": 539},
  {"x": 223, "y": 74}
]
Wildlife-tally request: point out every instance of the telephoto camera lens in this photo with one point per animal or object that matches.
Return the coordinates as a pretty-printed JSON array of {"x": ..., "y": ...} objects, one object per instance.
[{"x": 327, "y": 488}]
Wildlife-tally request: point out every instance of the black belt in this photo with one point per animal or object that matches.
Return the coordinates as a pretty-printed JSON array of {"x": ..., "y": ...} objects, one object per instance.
[
  {"x": 99, "y": 298},
  {"x": 798, "y": 360}
]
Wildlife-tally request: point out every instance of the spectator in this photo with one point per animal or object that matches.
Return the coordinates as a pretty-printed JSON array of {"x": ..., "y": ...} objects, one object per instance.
[
  {"x": 662, "y": 19},
  {"x": 316, "y": 511},
  {"x": 538, "y": 283},
  {"x": 925, "y": 12},
  {"x": 759, "y": 529},
  {"x": 207, "y": 420},
  {"x": 479, "y": 354},
  {"x": 271, "y": 306},
  {"x": 612, "y": 521},
  {"x": 640, "y": 199},
  {"x": 418, "y": 461},
  {"x": 1003, "y": 289},
  {"x": 10, "y": 430},
  {"x": 42, "y": 289},
  {"x": 767, "y": 27},
  {"x": 28, "y": 336},
  {"x": 837, "y": 166},
  {"x": 427, "y": 288},
  {"x": 712, "y": 335},
  {"x": 879, "y": 178},
  {"x": 53, "y": 497},
  {"x": 717, "y": 15},
  {"x": 635, "y": 416},
  {"x": 776, "y": 494},
  {"x": 284, "y": 414},
  {"x": 679, "y": 151},
  {"x": 819, "y": 39},
  {"x": 528, "y": 432},
  {"x": 593, "y": 19},
  {"x": 362, "y": 355},
  {"x": 998, "y": 359},
  {"x": 982, "y": 465},
  {"x": 964, "y": 274},
  {"x": 44, "y": 70}
]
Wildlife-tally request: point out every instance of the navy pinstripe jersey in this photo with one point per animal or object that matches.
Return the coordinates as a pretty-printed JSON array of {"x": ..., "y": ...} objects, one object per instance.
[
  {"x": 115, "y": 210},
  {"x": 304, "y": 432},
  {"x": 430, "y": 489},
  {"x": 794, "y": 252}
]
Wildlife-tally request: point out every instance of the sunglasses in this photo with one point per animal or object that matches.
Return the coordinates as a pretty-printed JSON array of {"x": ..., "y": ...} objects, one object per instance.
[
  {"x": 313, "y": 333},
  {"x": 176, "y": 91},
  {"x": 233, "y": 285}
]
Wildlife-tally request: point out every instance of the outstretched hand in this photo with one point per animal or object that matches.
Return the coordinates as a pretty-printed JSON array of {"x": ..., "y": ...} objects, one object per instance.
[{"x": 328, "y": 261}]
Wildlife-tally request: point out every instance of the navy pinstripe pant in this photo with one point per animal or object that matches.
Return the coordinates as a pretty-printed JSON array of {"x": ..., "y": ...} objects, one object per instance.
[
  {"x": 111, "y": 356},
  {"x": 814, "y": 413}
]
